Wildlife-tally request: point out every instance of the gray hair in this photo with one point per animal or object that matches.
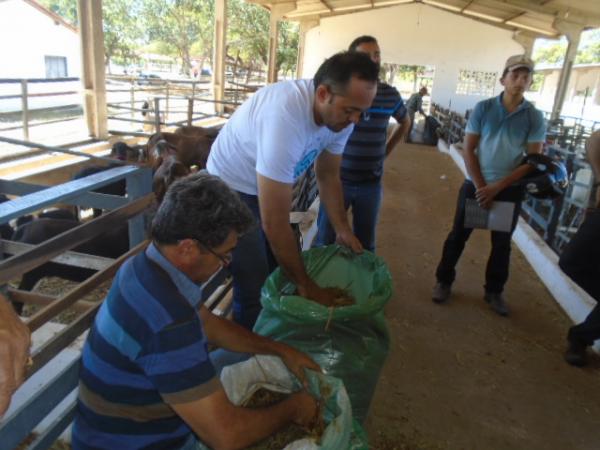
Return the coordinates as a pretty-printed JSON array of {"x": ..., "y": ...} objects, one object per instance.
[{"x": 202, "y": 207}]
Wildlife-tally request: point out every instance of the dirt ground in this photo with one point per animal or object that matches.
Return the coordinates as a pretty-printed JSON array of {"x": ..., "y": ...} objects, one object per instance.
[{"x": 458, "y": 376}]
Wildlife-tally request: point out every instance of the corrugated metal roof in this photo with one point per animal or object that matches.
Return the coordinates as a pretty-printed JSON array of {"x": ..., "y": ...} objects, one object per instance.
[{"x": 536, "y": 17}]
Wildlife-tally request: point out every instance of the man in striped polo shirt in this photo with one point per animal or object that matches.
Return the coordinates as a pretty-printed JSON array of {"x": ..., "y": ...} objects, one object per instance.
[
  {"x": 362, "y": 160},
  {"x": 147, "y": 380}
]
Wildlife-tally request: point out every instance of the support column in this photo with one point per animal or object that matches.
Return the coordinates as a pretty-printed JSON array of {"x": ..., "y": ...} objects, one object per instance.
[
  {"x": 305, "y": 25},
  {"x": 573, "y": 34},
  {"x": 92, "y": 70},
  {"x": 526, "y": 40},
  {"x": 277, "y": 13},
  {"x": 218, "y": 75}
]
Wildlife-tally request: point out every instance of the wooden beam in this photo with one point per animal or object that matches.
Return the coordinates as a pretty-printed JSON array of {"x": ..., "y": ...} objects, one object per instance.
[
  {"x": 92, "y": 60},
  {"x": 586, "y": 18},
  {"x": 278, "y": 11},
  {"x": 40, "y": 357},
  {"x": 34, "y": 298},
  {"x": 220, "y": 45},
  {"x": 466, "y": 6},
  {"x": 327, "y": 5}
]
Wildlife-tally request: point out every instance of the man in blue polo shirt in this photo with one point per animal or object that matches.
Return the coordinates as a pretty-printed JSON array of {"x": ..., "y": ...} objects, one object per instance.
[
  {"x": 499, "y": 133},
  {"x": 365, "y": 151},
  {"x": 147, "y": 380}
]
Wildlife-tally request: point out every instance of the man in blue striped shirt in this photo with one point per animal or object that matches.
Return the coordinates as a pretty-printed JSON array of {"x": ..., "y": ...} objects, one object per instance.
[
  {"x": 147, "y": 380},
  {"x": 365, "y": 151}
]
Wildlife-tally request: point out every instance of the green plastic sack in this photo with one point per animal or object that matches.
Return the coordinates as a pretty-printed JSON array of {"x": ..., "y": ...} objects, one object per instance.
[
  {"x": 242, "y": 380},
  {"x": 349, "y": 342}
]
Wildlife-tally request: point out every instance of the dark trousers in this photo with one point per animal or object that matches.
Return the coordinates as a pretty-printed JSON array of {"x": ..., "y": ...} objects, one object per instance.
[
  {"x": 580, "y": 260},
  {"x": 252, "y": 263},
  {"x": 496, "y": 273}
]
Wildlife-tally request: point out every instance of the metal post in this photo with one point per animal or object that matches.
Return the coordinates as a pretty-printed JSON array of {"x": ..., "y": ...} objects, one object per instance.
[
  {"x": 573, "y": 33},
  {"x": 132, "y": 98},
  {"x": 167, "y": 104},
  {"x": 156, "y": 114},
  {"x": 190, "y": 111},
  {"x": 25, "y": 109},
  {"x": 139, "y": 183}
]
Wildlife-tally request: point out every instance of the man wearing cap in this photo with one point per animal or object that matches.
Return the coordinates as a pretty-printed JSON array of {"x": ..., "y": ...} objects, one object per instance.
[{"x": 499, "y": 133}]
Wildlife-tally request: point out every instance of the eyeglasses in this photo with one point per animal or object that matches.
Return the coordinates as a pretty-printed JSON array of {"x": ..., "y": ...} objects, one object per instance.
[{"x": 225, "y": 259}]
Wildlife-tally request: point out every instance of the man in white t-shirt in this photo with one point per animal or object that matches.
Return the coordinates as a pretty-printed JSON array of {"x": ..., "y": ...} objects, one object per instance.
[{"x": 266, "y": 145}]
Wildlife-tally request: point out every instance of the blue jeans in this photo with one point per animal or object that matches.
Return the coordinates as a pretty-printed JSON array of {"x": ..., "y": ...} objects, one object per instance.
[
  {"x": 365, "y": 201},
  {"x": 252, "y": 263}
]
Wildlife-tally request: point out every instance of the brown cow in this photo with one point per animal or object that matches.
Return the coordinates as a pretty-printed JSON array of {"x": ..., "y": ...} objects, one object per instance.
[
  {"x": 169, "y": 170},
  {"x": 191, "y": 151},
  {"x": 193, "y": 131}
]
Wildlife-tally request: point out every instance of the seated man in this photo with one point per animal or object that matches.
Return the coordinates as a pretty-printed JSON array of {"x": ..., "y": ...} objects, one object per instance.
[{"x": 147, "y": 380}]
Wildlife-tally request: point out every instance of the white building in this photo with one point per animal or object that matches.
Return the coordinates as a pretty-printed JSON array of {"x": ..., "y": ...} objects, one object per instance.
[
  {"x": 36, "y": 43},
  {"x": 468, "y": 56},
  {"x": 583, "y": 92}
]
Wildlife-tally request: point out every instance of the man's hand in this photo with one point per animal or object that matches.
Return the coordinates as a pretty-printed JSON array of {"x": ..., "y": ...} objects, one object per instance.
[
  {"x": 308, "y": 413},
  {"x": 485, "y": 195},
  {"x": 348, "y": 239},
  {"x": 327, "y": 297},
  {"x": 14, "y": 352},
  {"x": 296, "y": 361}
]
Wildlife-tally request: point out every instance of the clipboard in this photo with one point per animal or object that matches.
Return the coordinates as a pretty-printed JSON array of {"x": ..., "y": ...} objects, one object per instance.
[{"x": 498, "y": 218}]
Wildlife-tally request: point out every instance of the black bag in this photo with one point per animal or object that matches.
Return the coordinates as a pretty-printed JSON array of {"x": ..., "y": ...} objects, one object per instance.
[{"x": 430, "y": 136}]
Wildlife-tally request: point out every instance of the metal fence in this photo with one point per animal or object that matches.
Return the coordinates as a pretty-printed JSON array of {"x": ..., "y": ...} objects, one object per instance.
[{"x": 136, "y": 105}]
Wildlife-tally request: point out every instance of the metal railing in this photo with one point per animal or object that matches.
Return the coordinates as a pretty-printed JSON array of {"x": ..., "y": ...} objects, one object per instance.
[
  {"x": 161, "y": 103},
  {"x": 171, "y": 102},
  {"x": 25, "y": 96}
]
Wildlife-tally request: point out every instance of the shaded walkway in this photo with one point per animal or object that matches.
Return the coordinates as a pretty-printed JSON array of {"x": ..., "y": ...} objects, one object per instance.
[{"x": 459, "y": 376}]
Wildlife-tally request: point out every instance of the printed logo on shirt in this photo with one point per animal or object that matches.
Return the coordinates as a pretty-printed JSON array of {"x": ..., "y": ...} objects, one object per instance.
[{"x": 305, "y": 163}]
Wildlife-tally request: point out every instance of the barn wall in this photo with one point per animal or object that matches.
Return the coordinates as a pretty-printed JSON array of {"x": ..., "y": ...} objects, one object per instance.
[
  {"x": 27, "y": 35},
  {"x": 416, "y": 34}
]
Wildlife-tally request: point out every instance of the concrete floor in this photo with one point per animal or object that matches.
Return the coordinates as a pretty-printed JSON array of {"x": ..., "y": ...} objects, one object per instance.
[{"x": 459, "y": 376}]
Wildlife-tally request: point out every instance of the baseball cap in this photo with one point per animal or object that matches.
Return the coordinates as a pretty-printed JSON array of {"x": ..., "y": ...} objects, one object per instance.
[{"x": 519, "y": 62}]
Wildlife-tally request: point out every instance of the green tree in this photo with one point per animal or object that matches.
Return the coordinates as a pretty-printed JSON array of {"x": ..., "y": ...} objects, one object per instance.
[
  {"x": 551, "y": 54},
  {"x": 248, "y": 38},
  {"x": 67, "y": 9},
  {"x": 122, "y": 31},
  {"x": 180, "y": 23}
]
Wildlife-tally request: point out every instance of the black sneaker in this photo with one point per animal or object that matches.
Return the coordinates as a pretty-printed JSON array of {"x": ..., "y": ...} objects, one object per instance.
[
  {"x": 441, "y": 293},
  {"x": 497, "y": 303},
  {"x": 576, "y": 354}
]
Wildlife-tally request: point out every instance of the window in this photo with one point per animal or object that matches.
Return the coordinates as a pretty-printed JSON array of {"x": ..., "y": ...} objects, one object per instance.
[
  {"x": 474, "y": 82},
  {"x": 56, "y": 66}
]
